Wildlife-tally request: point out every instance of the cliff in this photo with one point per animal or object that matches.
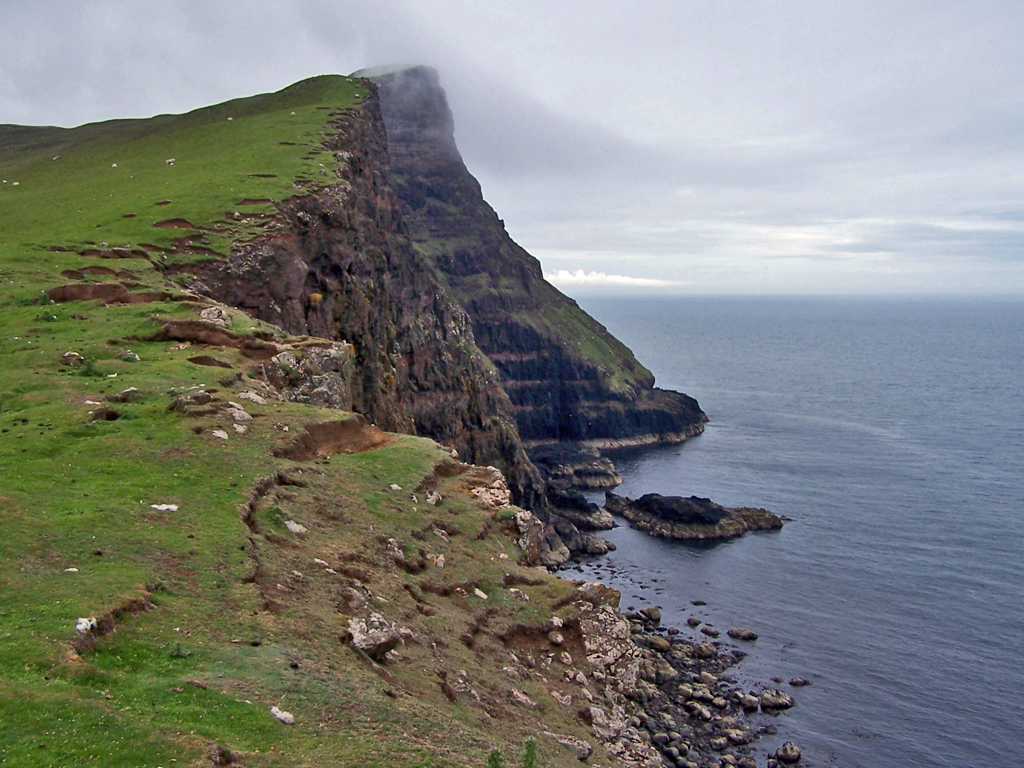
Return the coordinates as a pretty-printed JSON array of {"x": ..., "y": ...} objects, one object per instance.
[
  {"x": 340, "y": 266},
  {"x": 568, "y": 378}
]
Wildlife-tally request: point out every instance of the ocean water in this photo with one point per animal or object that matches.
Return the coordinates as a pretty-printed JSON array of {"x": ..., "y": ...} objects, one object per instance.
[{"x": 891, "y": 434}]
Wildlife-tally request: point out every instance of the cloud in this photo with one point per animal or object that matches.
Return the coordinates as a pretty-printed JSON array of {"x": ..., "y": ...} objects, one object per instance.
[{"x": 591, "y": 279}]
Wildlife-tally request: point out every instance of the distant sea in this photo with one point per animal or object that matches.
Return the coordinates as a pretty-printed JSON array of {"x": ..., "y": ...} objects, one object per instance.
[{"x": 891, "y": 433}]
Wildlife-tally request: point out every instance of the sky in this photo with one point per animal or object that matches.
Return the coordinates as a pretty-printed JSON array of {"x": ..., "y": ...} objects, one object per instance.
[{"x": 686, "y": 146}]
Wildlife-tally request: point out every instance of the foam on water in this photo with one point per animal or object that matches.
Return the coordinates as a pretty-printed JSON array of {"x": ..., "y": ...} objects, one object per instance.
[{"x": 892, "y": 433}]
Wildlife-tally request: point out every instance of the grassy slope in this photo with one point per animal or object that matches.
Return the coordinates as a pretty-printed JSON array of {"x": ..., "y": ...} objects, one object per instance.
[{"x": 77, "y": 493}]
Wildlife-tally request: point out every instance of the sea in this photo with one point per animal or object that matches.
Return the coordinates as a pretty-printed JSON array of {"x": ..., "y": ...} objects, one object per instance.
[{"x": 889, "y": 432}]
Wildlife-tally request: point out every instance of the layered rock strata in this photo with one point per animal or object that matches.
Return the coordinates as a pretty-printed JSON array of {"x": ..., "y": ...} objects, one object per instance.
[{"x": 568, "y": 378}]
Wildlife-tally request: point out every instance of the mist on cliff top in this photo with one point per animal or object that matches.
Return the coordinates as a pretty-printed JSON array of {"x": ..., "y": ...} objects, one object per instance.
[{"x": 708, "y": 147}]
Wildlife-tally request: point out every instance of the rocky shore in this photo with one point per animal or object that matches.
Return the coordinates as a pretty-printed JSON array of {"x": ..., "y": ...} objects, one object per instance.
[{"x": 669, "y": 700}]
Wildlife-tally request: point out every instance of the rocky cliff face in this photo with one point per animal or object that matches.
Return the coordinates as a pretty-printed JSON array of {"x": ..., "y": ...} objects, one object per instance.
[
  {"x": 342, "y": 267},
  {"x": 567, "y": 377}
]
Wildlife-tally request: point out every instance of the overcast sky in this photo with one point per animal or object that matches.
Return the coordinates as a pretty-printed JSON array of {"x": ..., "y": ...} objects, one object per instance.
[{"x": 712, "y": 146}]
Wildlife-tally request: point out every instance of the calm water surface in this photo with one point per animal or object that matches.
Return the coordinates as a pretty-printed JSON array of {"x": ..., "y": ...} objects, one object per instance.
[{"x": 891, "y": 432}]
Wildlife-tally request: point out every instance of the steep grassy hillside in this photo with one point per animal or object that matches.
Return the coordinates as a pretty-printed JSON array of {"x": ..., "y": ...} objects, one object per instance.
[{"x": 147, "y": 486}]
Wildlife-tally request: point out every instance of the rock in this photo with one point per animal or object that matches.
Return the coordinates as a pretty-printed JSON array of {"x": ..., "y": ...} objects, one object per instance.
[
  {"x": 707, "y": 678},
  {"x": 720, "y": 743},
  {"x": 556, "y": 638},
  {"x": 788, "y": 753},
  {"x": 581, "y": 749},
  {"x": 562, "y": 698},
  {"x": 285, "y": 717},
  {"x": 748, "y": 702},
  {"x": 252, "y": 397},
  {"x": 689, "y": 519},
  {"x": 220, "y": 434},
  {"x": 709, "y": 631},
  {"x": 294, "y": 527},
  {"x": 652, "y": 614},
  {"x": 799, "y": 682},
  {"x": 595, "y": 545},
  {"x": 480, "y": 593},
  {"x": 553, "y": 551},
  {"x": 214, "y": 315},
  {"x": 433, "y": 498},
  {"x": 72, "y": 359},
  {"x": 693, "y": 621},
  {"x": 375, "y": 635},
  {"x": 523, "y": 700},
  {"x": 518, "y": 595},
  {"x": 772, "y": 698},
  {"x": 659, "y": 644},
  {"x": 742, "y": 634},
  {"x": 705, "y": 651},
  {"x": 85, "y": 625}
]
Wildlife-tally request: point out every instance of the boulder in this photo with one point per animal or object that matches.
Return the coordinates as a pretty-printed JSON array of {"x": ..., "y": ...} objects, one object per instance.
[
  {"x": 772, "y": 698},
  {"x": 742, "y": 634},
  {"x": 374, "y": 635},
  {"x": 788, "y": 753}
]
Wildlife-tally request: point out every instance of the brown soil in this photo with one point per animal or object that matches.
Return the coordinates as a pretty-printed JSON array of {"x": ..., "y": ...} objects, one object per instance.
[
  {"x": 108, "y": 293},
  {"x": 58, "y": 249},
  {"x": 175, "y": 224},
  {"x": 113, "y": 253},
  {"x": 128, "y": 216},
  {"x": 263, "y": 175},
  {"x": 107, "y": 623},
  {"x": 199, "y": 332},
  {"x": 163, "y": 202},
  {"x": 210, "y": 361},
  {"x": 325, "y": 438},
  {"x": 255, "y": 201}
]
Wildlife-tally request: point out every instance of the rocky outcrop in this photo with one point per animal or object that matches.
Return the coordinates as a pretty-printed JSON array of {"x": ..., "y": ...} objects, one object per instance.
[
  {"x": 567, "y": 377},
  {"x": 341, "y": 267},
  {"x": 689, "y": 519}
]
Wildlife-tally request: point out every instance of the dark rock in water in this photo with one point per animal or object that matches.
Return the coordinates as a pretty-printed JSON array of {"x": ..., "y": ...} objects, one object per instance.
[
  {"x": 697, "y": 602},
  {"x": 689, "y": 519},
  {"x": 574, "y": 507},
  {"x": 742, "y": 634},
  {"x": 709, "y": 631},
  {"x": 693, "y": 621},
  {"x": 799, "y": 682}
]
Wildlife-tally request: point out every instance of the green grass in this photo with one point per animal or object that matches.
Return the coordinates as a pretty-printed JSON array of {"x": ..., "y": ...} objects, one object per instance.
[{"x": 80, "y": 200}]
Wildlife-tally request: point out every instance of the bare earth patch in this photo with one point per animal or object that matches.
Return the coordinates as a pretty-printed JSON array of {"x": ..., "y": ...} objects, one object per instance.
[{"x": 325, "y": 438}]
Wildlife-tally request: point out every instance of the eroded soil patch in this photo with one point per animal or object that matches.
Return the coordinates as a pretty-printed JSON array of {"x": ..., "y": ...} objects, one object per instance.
[{"x": 325, "y": 438}]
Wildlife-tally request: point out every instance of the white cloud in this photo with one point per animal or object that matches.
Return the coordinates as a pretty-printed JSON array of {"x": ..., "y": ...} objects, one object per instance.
[{"x": 579, "y": 277}]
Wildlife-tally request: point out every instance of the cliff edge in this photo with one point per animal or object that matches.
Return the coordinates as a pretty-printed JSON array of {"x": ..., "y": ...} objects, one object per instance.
[{"x": 568, "y": 378}]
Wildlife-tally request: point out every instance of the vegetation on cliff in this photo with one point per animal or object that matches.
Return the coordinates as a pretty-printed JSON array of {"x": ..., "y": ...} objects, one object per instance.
[{"x": 166, "y": 578}]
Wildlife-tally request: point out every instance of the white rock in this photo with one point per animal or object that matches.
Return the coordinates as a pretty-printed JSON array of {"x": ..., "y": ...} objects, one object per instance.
[
  {"x": 85, "y": 625},
  {"x": 519, "y": 595},
  {"x": 318, "y": 561},
  {"x": 294, "y": 527},
  {"x": 164, "y": 507},
  {"x": 396, "y": 487},
  {"x": 433, "y": 498},
  {"x": 252, "y": 397},
  {"x": 220, "y": 434},
  {"x": 239, "y": 428},
  {"x": 479, "y": 593},
  {"x": 285, "y": 717},
  {"x": 70, "y": 570}
]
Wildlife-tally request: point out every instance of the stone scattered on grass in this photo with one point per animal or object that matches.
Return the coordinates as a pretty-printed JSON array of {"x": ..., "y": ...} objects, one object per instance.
[
  {"x": 220, "y": 434},
  {"x": 294, "y": 527},
  {"x": 70, "y": 570},
  {"x": 479, "y": 593},
  {"x": 85, "y": 625},
  {"x": 285, "y": 717},
  {"x": 252, "y": 397},
  {"x": 164, "y": 507}
]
